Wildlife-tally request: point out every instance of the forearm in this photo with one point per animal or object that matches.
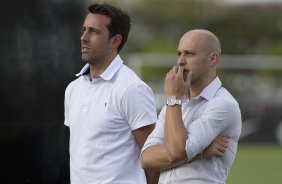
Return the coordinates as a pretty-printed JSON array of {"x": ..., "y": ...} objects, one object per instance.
[
  {"x": 152, "y": 176},
  {"x": 175, "y": 134},
  {"x": 155, "y": 158}
]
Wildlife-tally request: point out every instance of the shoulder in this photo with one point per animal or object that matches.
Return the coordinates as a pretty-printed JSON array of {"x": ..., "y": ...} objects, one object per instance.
[
  {"x": 225, "y": 97},
  {"x": 127, "y": 75},
  {"x": 128, "y": 81},
  {"x": 72, "y": 84},
  {"x": 224, "y": 102}
]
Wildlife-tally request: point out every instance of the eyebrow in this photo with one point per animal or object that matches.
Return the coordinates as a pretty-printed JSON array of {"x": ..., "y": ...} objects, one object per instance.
[
  {"x": 186, "y": 52},
  {"x": 92, "y": 29}
]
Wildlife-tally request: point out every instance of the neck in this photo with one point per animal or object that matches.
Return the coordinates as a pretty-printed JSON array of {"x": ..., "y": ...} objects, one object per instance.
[
  {"x": 98, "y": 68},
  {"x": 197, "y": 87}
]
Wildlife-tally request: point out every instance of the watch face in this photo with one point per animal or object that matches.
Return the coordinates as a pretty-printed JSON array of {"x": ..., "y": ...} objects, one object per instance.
[{"x": 171, "y": 101}]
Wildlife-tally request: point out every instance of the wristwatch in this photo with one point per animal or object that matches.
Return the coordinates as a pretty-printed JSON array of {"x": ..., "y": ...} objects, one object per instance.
[{"x": 172, "y": 101}]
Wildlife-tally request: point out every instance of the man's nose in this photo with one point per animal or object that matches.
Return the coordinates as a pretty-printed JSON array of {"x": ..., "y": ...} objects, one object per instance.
[
  {"x": 181, "y": 61},
  {"x": 83, "y": 36}
]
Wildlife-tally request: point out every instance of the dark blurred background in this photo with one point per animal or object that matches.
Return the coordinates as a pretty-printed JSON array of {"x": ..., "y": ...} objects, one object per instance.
[{"x": 40, "y": 54}]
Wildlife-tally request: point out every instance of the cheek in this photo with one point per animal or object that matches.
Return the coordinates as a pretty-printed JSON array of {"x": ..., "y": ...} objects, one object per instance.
[{"x": 193, "y": 65}]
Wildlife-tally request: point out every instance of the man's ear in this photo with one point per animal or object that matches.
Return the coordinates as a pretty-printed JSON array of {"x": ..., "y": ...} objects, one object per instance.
[
  {"x": 116, "y": 40},
  {"x": 214, "y": 58}
]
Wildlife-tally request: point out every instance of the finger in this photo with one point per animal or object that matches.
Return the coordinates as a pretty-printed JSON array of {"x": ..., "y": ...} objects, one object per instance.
[
  {"x": 216, "y": 153},
  {"x": 219, "y": 154},
  {"x": 219, "y": 140},
  {"x": 189, "y": 78},
  {"x": 174, "y": 69},
  {"x": 222, "y": 150},
  {"x": 168, "y": 74},
  {"x": 180, "y": 71},
  {"x": 225, "y": 136},
  {"x": 222, "y": 139},
  {"x": 222, "y": 143}
]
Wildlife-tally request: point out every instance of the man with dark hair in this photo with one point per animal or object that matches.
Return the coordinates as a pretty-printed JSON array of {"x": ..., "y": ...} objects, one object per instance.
[
  {"x": 119, "y": 24},
  {"x": 109, "y": 110}
]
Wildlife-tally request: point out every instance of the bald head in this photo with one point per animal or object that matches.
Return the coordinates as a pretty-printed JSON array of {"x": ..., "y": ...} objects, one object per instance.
[{"x": 205, "y": 39}]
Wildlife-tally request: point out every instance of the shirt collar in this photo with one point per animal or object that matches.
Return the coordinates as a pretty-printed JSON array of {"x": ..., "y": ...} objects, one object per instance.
[
  {"x": 83, "y": 71},
  {"x": 210, "y": 90},
  {"x": 108, "y": 73}
]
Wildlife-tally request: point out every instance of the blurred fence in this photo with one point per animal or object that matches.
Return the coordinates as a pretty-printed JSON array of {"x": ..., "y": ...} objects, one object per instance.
[{"x": 254, "y": 80}]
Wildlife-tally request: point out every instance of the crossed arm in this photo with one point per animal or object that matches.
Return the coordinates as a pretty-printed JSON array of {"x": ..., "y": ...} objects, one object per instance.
[
  {"x": 173, "y": 150},
  {"x": 156, "y": 157}
]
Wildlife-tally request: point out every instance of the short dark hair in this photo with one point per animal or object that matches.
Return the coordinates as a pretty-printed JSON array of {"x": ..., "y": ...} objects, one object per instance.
[{"x": 120, "y": 20}]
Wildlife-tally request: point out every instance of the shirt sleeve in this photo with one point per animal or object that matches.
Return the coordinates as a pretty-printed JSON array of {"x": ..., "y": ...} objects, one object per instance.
[
  {"x": 67, "y": 102},
  {"x": 66, "y": 107},
  {"x": 138, "y": 106},
  {"x": 216, "y": 117}
]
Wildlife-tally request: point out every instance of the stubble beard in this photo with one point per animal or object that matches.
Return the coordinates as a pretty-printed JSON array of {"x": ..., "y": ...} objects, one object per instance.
[
  {"x": 92, "y": 60},
  {"x": 88, "y": 58}
]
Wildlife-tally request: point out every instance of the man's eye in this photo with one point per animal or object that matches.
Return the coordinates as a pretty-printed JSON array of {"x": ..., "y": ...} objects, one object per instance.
[
  {"x": 189, "y": 53},
  {"x": 94, "y": 31}
]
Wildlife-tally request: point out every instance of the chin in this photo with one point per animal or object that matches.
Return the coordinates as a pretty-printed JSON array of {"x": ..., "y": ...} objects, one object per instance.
[{"x": 85, "y": 58}]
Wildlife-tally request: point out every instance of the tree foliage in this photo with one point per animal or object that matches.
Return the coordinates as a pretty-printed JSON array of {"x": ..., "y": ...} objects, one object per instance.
[{"x": 243, "y": 29}]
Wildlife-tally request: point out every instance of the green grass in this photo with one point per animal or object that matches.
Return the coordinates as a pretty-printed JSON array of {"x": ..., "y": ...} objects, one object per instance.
[{"x": 257, "y": 164}]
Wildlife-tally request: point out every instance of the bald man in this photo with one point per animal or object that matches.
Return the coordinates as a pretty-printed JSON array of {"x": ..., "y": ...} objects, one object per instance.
[{"x": 198, "y": 110}]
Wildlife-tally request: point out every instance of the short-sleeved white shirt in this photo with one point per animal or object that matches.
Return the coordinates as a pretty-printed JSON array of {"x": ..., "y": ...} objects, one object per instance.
[
  {"x": 101, "y": 115},
  {"x": 214, "y": 112}
]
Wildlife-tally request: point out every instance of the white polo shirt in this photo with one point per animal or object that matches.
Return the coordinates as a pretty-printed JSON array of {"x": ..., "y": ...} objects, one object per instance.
[{"x": 101, "y": 115}]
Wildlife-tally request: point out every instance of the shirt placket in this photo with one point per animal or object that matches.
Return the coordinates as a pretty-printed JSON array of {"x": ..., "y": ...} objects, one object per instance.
[{"x": 86, "y": 100}]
